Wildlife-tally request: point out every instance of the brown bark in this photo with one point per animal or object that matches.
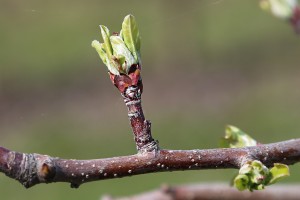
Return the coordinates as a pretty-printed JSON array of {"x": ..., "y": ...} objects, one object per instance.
[{"x": 31, "y": 169}]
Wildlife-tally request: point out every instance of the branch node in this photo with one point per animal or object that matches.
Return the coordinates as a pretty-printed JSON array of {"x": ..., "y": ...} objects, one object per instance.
[
  {"x": 245, "y": 159},
  {"x": 46, "y": 169},
  {"x": 27, "y": 175},
  {"x": 145, "y": 141}
]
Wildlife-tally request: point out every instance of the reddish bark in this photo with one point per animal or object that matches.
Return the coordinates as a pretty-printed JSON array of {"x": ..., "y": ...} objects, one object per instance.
[{"x": 31, "y": 169}]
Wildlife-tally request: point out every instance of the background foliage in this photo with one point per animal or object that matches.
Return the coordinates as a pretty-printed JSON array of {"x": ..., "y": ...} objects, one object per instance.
[{"x": 205, "y": 64}]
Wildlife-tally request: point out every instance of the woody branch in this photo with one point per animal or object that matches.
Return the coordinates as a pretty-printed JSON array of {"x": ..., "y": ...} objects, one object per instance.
[
  {"x": 120, "y": 53},
  {"x": 31, "y": 169}
]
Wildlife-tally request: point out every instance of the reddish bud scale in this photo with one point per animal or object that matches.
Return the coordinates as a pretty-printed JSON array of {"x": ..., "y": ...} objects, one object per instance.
[{"x": 123, "y": 81}]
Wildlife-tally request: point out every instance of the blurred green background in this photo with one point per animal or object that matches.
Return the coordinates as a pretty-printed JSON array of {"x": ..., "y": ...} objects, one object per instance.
[{"x": 206, "y": 64}]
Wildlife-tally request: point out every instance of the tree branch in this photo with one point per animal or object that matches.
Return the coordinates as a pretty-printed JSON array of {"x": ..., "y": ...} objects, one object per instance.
[
  {"x": 214, "y": 192},
  {"x": 31, "y": 169}
]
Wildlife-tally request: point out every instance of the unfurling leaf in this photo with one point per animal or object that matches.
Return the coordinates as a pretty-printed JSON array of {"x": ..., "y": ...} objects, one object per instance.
[
  {"x": 112, "y": 65},
  {"x": 107, "y": 45},
  {"x": 254, "y": 175},
  {"x": 120, "y": 50},
  {"x": 241, "y": 182},
  {"x": 100, "y": 49},
  {"x": 130, "y": 34},
  {"x": 278, "y": 172},
  {"x": 234, "y": 138}
]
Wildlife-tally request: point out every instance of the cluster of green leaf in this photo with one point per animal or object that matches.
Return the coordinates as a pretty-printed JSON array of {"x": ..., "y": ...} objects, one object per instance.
[
  {"x": 120, "y": 51},
  {"x": 253, "y": 175}
]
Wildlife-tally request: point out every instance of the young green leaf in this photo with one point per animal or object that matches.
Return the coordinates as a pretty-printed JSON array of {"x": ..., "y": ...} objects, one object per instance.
[
  {"x": 234, "y": 138},
  {"x": 131, "y": 35},
  {"x": 279, "y": 171},
  {"x": 107, "y": 45},
  {"x": 113, "y": 66},
  {"x": 100, "y": 49},
  {"x": 241, "y": 182},
  {"x": 120, "y": 49}
]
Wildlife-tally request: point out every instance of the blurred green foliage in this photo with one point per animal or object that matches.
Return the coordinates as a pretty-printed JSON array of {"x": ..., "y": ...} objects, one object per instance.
[{"x": 205, "y": 64}]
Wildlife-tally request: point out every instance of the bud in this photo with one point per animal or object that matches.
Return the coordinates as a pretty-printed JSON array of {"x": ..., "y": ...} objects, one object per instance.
[{"x": 120, "y": 52}]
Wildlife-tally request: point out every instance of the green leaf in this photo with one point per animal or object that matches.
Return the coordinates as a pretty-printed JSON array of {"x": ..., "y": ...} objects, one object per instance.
[
  {"x": 100, "y": 49},
  {"x": 241, "y": 182},
  {"x": 257, "y": 174},
  {"x": 254, "y": 175},
  {"x": 121, "y": 34},
  {"x": 257, "y": 187},
  {"x": 107, "y": 45},
  {"x": 113, "y": 66},
  {"x": 120, "y": 50},
  {"x": 235, "y": 138},
  {"x": 121, "y": 59},
  {"x": 278, "y": 172},
  {"x": 110, "y": 63},
  {"x": 131, "y": 35}
]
